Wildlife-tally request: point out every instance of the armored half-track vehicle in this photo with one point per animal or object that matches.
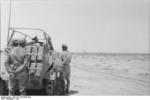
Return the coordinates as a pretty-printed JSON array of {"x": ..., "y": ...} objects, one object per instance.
[{"x": 44, "y": 65}]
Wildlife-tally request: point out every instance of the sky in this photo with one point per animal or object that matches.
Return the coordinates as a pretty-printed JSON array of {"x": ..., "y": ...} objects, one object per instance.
[{"x": 120, "y": 26}]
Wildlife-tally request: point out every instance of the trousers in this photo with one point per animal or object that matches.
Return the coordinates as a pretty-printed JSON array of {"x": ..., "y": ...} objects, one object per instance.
[
  {"x": 17, "y": 83},
  {"x": 65, "y": 76}
]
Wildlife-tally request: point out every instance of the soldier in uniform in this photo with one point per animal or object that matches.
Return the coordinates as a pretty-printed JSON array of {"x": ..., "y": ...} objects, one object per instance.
[
  {"x": 66, "y": 59},
  {"x": 16, "y": 65}
]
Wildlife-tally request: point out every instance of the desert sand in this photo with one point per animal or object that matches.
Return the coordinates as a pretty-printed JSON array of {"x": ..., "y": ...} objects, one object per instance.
[{"x": 110, "y": 74}]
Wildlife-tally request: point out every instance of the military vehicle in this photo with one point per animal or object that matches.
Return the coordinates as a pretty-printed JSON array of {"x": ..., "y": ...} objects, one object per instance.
[{"x": 43, "y": 66}]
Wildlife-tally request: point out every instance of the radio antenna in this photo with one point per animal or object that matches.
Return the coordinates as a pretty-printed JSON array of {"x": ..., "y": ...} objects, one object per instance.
[{"x": 9, "y": 20}]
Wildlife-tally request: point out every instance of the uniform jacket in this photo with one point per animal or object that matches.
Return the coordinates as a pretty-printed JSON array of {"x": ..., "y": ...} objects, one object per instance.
[
  {"x": 17, "y": 61},
  {"x": 66, "y": 59}
]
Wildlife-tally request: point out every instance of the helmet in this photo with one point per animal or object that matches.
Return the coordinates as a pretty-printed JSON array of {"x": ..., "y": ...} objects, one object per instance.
[
  {"x": 64, "y": 46},
  {"x": 14, "y": 42},
  {"x": 22, "y": 42}
]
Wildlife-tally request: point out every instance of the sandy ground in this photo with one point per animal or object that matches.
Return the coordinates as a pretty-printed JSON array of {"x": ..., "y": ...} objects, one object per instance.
[{"x": 110, "y": 74}]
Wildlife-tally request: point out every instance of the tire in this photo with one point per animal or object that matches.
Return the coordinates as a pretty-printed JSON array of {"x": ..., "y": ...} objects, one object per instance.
[
  {"x": 63, "y": 86},
  {"x": 50, "y": 87},
  {"x": 60, "y": 86},
  {"x": 3, "y": 87}
]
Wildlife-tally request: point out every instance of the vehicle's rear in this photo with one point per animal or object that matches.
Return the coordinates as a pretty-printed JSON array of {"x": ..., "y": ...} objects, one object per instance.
[{"x": 38, "y": 66}]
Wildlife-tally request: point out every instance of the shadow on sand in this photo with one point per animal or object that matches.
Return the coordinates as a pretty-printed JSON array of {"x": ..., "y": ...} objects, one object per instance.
[
  {"x": 72, "y": 92},
  {"x": 42, "y": 93}
]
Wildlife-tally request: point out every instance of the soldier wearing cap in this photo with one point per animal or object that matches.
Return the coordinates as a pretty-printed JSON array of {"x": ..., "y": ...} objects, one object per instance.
[
  {"x": 16, "y": 65},
  {"x": 66, "y": 59}
]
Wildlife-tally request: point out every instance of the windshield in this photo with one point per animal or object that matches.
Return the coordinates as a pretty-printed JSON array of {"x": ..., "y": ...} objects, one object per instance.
[{"x": 28, "y": 34}]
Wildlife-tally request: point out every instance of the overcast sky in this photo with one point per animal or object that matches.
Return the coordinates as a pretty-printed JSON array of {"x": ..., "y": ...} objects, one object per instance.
[{"x": 85, "y": 25}]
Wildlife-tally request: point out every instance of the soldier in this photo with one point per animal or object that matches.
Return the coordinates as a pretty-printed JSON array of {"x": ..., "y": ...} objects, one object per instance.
[
  {"x": 16, "y": 66},
  {"x": 66, "y": 59}
]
